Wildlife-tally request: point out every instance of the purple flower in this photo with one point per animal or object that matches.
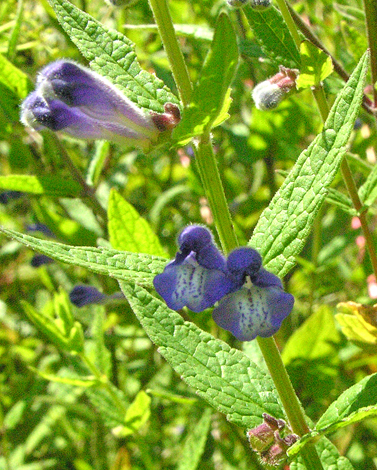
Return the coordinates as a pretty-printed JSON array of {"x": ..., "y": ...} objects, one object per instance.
[
  {"x": 257, "y": 304},
  {"x": 82, "y": 295},
  {"x": 73, "y": 99},
  {"x": 40, "y": 260},
  {"x": 7, "y": 196},
  {"x": 252, "y": 301},
  {"x": 85, "y": 295},
  {"x": 196, "y": 278},
  {"x": 38, "y": 227}
]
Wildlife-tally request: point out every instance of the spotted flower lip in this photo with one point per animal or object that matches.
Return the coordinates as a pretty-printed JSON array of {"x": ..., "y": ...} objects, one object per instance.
[
  {"x": 251, "y": 300},
  {"x": 79, "y": 102}
]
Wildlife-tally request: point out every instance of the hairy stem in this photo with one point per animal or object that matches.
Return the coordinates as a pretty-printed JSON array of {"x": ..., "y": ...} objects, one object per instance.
[
  {"x": 216, "y": 197},
  {"x": 370, "y": 7},
  {"x": 169, "y": 40},
  {"x": 88, "y": 191}
]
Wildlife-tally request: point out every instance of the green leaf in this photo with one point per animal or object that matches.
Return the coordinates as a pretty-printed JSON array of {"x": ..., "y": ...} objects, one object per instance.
[
  {"x": 134, "y": 267},
  {"x": 211, "y": 96},
  {"x": 316, "y": 65},
  {"x": 14, "y": 87},
  {"x": 224, "y": 377},
  {"x": 286, "y": 223},
  {"x": 128, "y": 231},
  {"x": 14, "y": 79},
  {"x": 356, "y": 41},
  {"x": 355, "y": 404},
  {"x": 191, "y": 31},
  {"x": 48, "y": 185},
  {"x": 350, "y": 12},
  {"x": 329, "y": 455},
  {"x": 273, "y": 35},
  {"x": 137, "y": 415},
  {"x": 341, "y": 200},
  {"x": 84, "y": 382},
  {"x": 112, "y": 55},
  {"x": 110, "y": 406},
  {"x": 58, "y": 325},
  {"x": 311, "y": 356},
  {"x": 304, "y": 344},
  {"x": 195, "y": 443},
  {"x": 101, "y": 355},
  {"x": 358, "y": 397},
  {"x": 368, "y": 191}
]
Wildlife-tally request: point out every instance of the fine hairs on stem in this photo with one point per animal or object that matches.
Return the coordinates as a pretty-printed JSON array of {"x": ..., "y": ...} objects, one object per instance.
[{"x": 216, "y": 196}]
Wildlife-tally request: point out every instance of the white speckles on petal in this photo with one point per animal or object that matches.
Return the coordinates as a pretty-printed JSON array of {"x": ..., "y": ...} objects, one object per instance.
[{"x": 253, "y": 311}]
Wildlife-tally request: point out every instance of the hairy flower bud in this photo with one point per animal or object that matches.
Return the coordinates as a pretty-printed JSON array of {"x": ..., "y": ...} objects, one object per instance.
[
  {"x": 261, "y": 437},
  {"x": 268, "y": 94},
  {"x": 79, "y": 102},
  {"x": 276, "y": 455}
]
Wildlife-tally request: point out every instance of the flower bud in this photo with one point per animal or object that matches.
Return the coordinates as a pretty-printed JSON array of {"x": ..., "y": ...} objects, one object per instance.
[
  {"x": 268, "y": 94},
  {"x": 276, "y": 455},
  {"x": 40, "y": 260},
  {"x": 82, "y": 295},
  {"x": 261, "y": 437},
  {"x": 73, "y": 99}
]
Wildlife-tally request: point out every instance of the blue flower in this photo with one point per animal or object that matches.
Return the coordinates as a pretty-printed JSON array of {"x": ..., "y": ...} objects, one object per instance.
[
  {"x": 82, "y": 295},
  {"x": 7, "y": 196},
  {"x": 40, "y": 260},
  {"x": 73, "y": 99},
  {"x": 252, "y": 301},
  {"x": 257, "y": 304},
  {"x": 196, "y": 278}
]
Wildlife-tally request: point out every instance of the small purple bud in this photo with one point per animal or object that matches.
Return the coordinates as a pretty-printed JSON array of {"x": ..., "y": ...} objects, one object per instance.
[
  {"x": 40, "y": 260},
  {"x": 7, "y": 196},
  {"x": 73, "y": 99},
  {"x": 261, "y": 437},
  {"x": 169, "y": 119},
  {"x": 37, "y": 227},
  {"x": 268, "y": 94},
  {"x": 82, "y": 295}
]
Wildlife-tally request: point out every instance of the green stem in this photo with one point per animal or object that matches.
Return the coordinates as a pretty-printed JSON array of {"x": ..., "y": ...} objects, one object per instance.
[
  {"x": 88, "y": 191},
  {"x": 216, "y": 197},
  {"x": 104, "y": 380},
  {"x": 308, "y": 33},
  {"x": 320, "y": 97},
  {"x": 214, "y": 191},
  {"x": 323, "y": 106},
  {"x": 169, "y": 40},
  {"x": 352, "y": 190},
  {"x": 370, "y": 7},
  {"x": 289, "y": 21},
  {"x": 289, "y": 399}
]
